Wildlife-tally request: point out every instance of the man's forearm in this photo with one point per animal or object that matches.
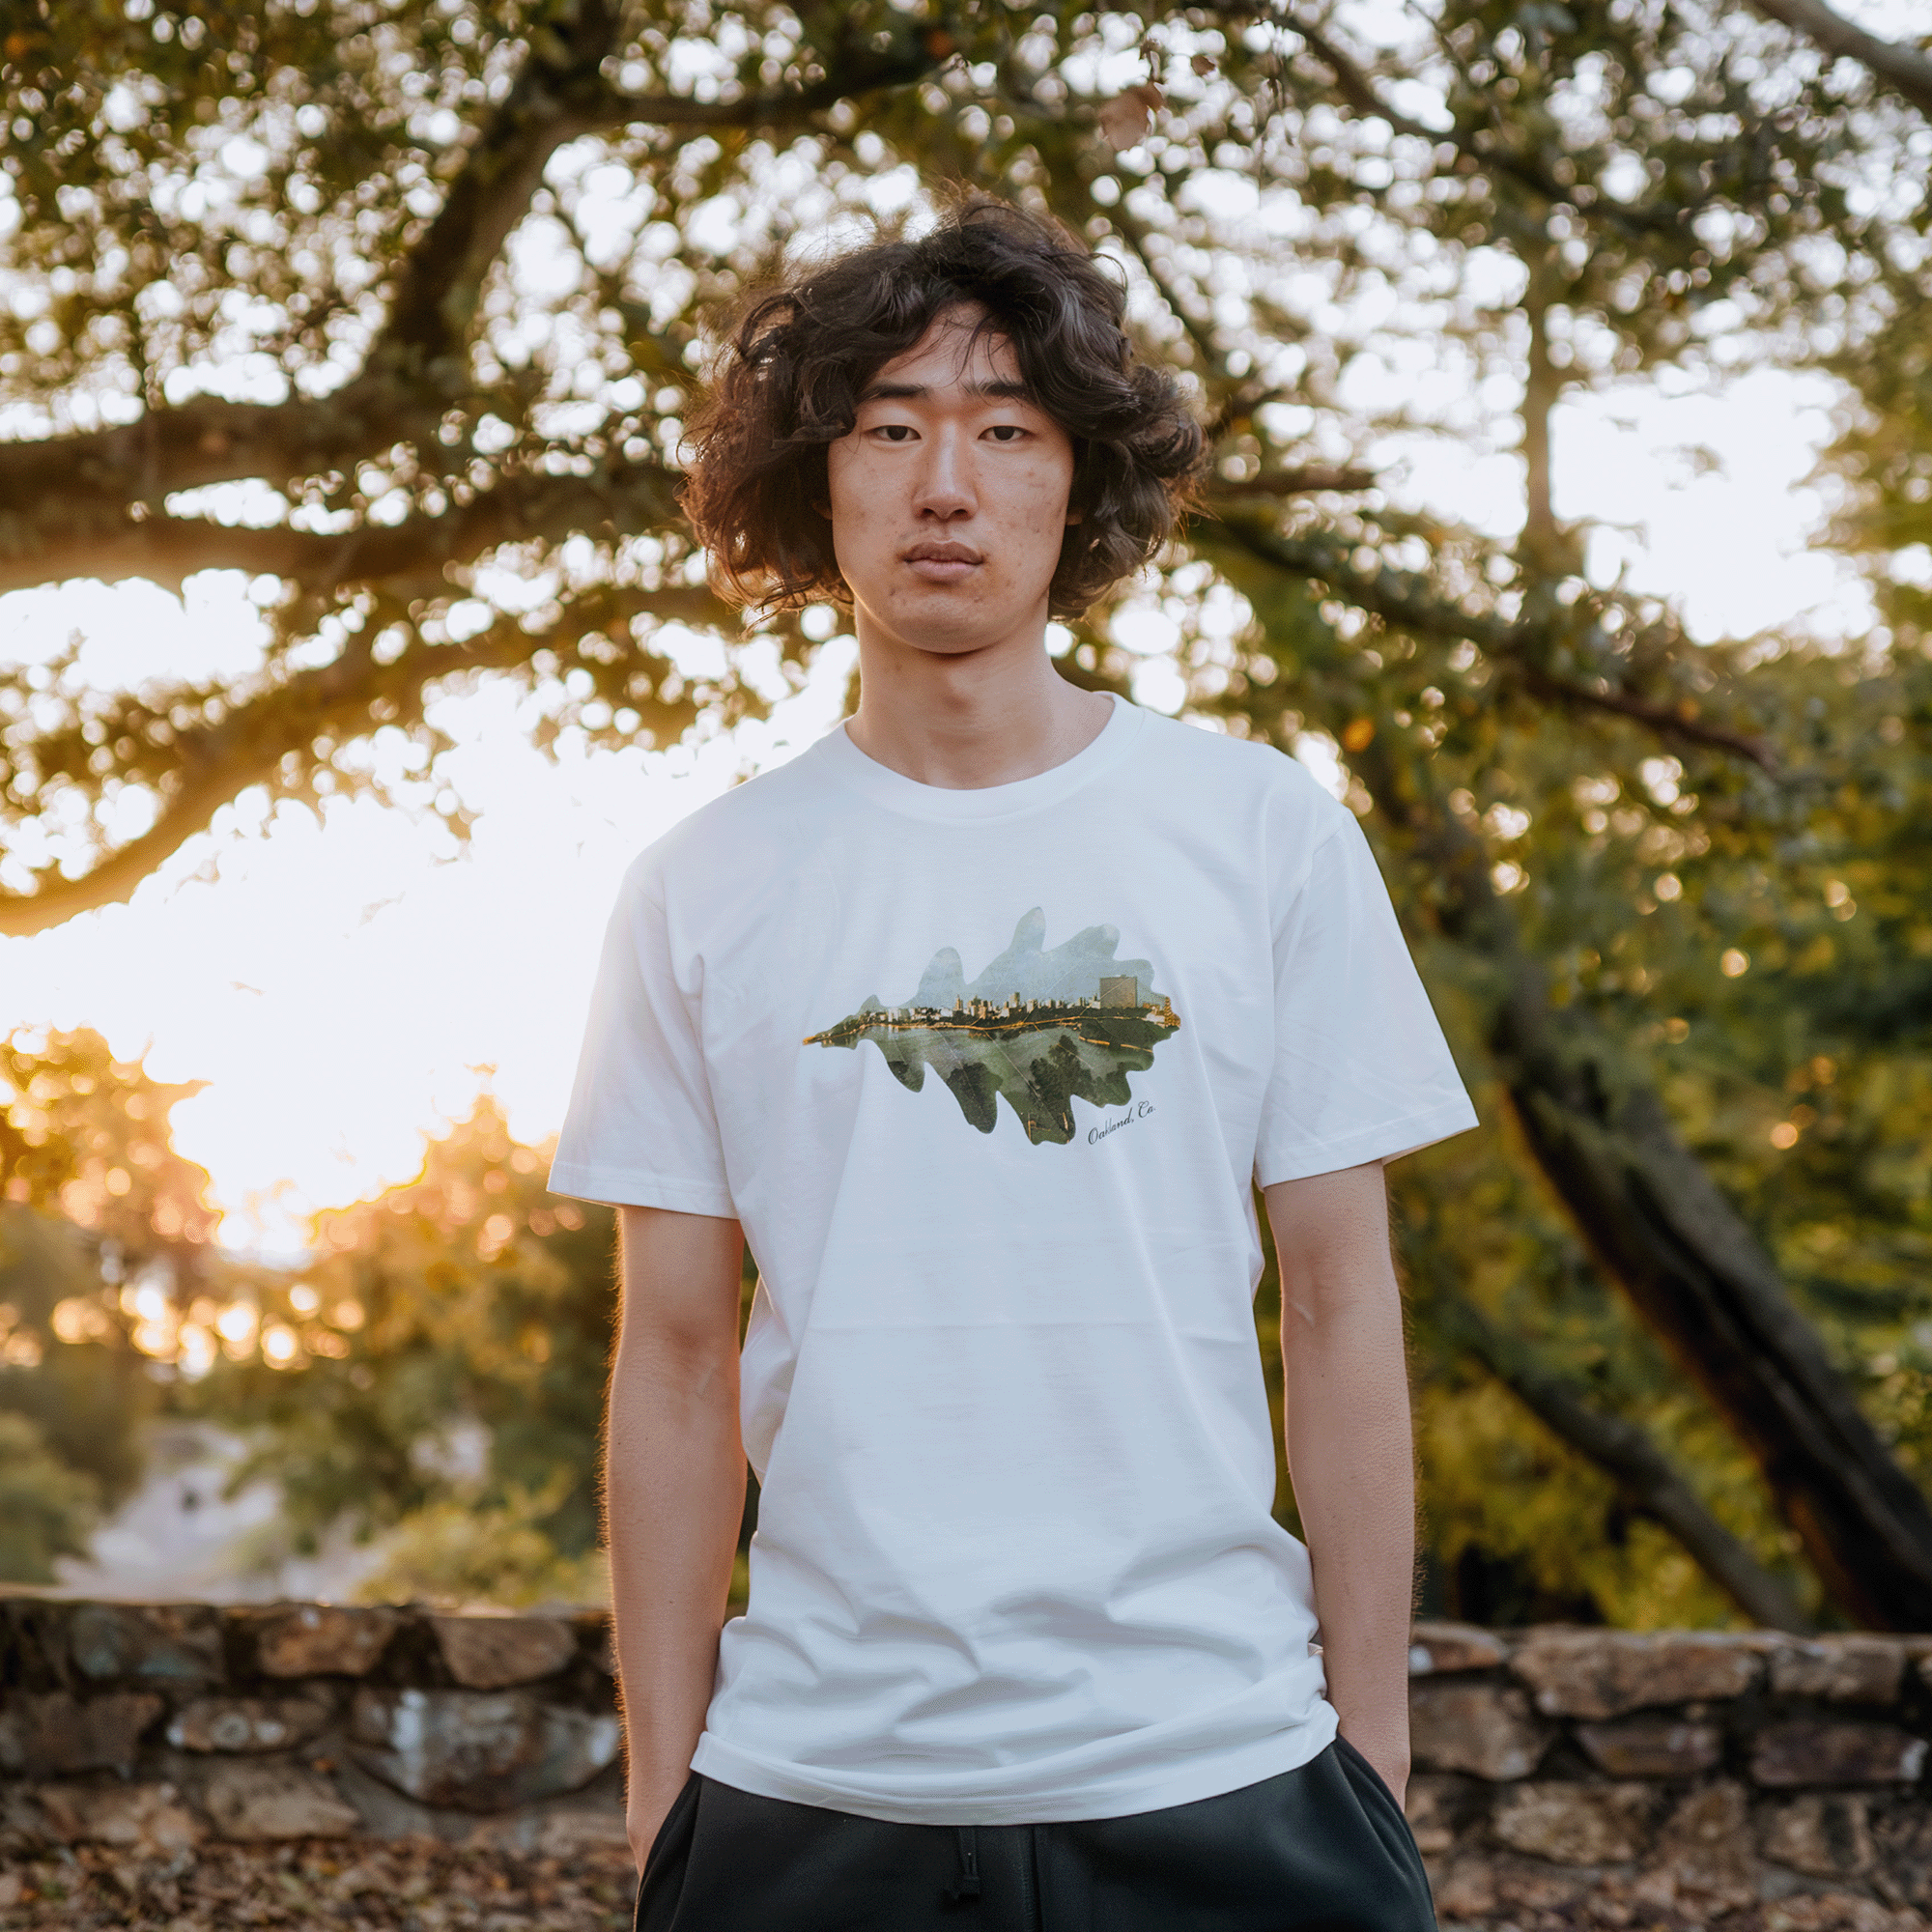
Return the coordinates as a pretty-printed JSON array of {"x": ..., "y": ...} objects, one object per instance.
[
  {"x": 675, "y": 1491},
  {"x": 1350, "y": 1447}
]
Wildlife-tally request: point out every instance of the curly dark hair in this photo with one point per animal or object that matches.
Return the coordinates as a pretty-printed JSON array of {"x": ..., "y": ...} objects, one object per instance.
[{"x": 798, "y": 358}]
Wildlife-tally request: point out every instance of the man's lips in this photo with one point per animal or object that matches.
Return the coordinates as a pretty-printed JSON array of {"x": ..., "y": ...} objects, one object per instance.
[{"x": 943, "y": 563}]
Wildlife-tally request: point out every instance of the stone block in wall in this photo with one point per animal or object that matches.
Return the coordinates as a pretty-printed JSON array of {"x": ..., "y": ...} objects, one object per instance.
[
  {"x": 386, "y": 1812},
  {"x": 554, "y": 1831},
  {"x": 1802, "y": 1751},
  {"x": 1434, "y": 1808},
  {"x": 276, "y": 1801},
  {"x": 158, "y": 1643},
  {"x": 1590, "y": 1673},
  {"x": 1437, "y": 1648},
  {"x": 1703, "y": 1851},
  {"x": 1466, "y": 1891},
  {"x": 320, "y": 1639},
  {"x": 475, "y": 1750},
  {"x": 1902, "y": 1836},
  {"x": 145, "y": 1818},
  {"x": 494, "y": 1653},
  {"x": 1576, "y": 1824},
  {"x": 1651, "y": 1747},
  {"x": 1827, "y": 1835},
  {"x": 55, "y": 1735},
  {"x": 1486, "y": 1728},
  {"x": 1841, "y": 1670},
  {"x": 247, "y": 1723}
]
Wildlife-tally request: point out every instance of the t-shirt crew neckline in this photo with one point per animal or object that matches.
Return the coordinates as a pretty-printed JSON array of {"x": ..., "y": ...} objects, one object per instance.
[{"x": 981, "y": 804}]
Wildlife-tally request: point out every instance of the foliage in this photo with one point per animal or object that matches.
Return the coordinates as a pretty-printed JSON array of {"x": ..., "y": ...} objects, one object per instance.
[
  {"x": 456, "y": 1553},
  {"x": 47, "y": 1507},
  {"x": 406, "y": 300},
  {"x": 448, "y": 1346},
  {"x": 435, "y": 1379},
  {"x": 102, "y": 1243}
]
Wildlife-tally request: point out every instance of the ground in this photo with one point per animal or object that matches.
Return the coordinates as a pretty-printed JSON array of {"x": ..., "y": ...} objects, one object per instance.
[{"x": 407, "y": 1886}]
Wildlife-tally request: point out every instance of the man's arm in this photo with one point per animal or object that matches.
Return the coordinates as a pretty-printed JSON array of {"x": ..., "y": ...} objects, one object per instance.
[
  {"x": 1348, "y": 1445},
  {"x": 674, "y": 1490}
]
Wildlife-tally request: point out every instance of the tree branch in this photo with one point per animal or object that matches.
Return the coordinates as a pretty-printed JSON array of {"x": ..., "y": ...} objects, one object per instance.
[
  {"x": 205, "y": 440},
  {"x": 1666, "y": 721},
  {"x": 1391, "y": 595},
  {"x": 1628, "y": 1456},
  {"x": 1297, "y": 481},
  {"x": 257, "y": 737},
  {"x": 1360, "y": 93},
  {"x": 1905, "y": 70},
  {"x": 1199, "y": 333},
  {"x": 622, "y": 498},
  {"x": 558, "y": 92}
]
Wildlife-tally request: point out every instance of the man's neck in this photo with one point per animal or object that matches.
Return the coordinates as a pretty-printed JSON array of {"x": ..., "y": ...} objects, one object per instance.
[{"x": 983, "y": 718}]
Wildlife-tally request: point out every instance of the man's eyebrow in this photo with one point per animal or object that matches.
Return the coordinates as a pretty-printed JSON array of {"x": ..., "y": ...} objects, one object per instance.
[{"x": 889, "y": 392}]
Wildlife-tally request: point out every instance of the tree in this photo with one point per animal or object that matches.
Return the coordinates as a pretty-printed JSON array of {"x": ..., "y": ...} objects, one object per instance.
[
  {"x": 291, "y": 323},
  {"x": 448, "y": 1344},
  {"x": 47, "y": 1507},
  {"x": 436, "y": 1377},
  {"x": 103, "y": 1237},
  {"x": 1508, "y": 635}
]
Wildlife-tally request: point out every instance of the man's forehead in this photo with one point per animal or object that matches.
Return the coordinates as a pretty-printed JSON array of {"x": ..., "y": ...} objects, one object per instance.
[{"x": 958, "y": 348}]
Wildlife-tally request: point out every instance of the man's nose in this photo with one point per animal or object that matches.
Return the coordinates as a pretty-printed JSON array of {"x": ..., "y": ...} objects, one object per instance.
[{"x": 945, "y": 485}]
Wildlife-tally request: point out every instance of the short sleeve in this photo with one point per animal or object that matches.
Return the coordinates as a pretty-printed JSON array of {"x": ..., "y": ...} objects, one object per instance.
[
  {"x": 641, "y": 1130},
  {"x": 1361, "y": 1072}
]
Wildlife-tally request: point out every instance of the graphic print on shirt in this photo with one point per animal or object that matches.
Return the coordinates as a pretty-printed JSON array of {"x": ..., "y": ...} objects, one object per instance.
[{"x": 1042, "y": 1028}]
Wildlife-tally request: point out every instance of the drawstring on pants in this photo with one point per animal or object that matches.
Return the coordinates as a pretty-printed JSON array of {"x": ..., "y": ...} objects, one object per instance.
[{"x": 967, "y": 1884}]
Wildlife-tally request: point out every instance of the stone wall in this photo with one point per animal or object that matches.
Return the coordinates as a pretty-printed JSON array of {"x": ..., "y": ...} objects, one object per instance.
[
  {"x": 1597, "y": 1777},
  {"x": 157, "y": 1728},
  {"x": 1564, "y": 1777}
]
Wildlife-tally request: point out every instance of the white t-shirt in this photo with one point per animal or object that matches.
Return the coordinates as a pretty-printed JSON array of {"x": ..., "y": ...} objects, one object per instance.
[{"x": 987, "y": 1076}]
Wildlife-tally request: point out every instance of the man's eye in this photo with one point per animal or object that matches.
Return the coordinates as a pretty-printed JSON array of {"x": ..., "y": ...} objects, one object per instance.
[
  {"x": 895, "y": 431},
  {"x": 1006, "y": 432}
]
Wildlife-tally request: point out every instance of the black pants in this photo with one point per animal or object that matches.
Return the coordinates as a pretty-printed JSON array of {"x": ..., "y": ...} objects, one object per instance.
[{"x": 1321, "y": 1849}]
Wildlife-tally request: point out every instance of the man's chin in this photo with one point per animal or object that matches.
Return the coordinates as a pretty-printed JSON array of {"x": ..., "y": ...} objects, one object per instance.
[{"x": 942, "y": 627}]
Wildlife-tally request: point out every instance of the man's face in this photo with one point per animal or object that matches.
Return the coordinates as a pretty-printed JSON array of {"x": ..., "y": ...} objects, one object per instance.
[{"x": 949, "y": 495}]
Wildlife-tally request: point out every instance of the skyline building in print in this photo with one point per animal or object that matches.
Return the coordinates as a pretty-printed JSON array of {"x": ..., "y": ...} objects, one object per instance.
[{"x": 1040, "y": 1027}]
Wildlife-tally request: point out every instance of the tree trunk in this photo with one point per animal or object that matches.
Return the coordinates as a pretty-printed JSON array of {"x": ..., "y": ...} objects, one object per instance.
[
  {"x": 1682, "y": 1255},
  {"x": 1542, "y": 544},
  {"x": 1638, "y": 1468}
]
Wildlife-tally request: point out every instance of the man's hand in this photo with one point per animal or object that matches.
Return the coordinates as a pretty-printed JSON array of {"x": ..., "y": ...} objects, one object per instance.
[
  {"x": 1387, "y": 1756},
  {"x": 1348, "y": 1447},
  {"x": 648, "y": 1802},
  {"x": 674, "y": 1492}
]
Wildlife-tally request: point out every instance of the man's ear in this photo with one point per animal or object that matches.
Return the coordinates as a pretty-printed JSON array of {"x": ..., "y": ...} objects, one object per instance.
[{"x": 824, "y": 510}]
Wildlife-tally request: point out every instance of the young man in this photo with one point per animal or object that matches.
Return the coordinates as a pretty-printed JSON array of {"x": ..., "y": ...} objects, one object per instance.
[{"x": 979, "y": 1022}]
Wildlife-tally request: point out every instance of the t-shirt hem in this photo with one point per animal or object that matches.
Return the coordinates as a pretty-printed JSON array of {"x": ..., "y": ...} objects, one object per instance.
[
  {"x": 621, "y": 1187},
  {"x": 1387, "y": 1140},
  {"x": 1019, "y": 1795}
]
